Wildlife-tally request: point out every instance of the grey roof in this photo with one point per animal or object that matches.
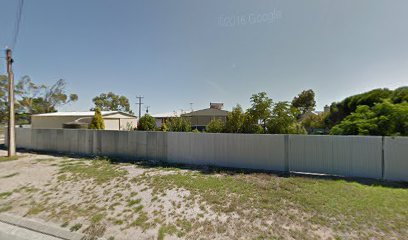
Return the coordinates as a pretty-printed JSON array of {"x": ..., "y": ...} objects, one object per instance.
[
  {"x": 81, "y": 114},
  {"x": 207, "y": 112}
]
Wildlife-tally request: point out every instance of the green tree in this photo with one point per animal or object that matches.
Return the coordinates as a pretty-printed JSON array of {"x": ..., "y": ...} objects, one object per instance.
[
  {"x": 383, "y": 119},
  {"x": 304, "y": 101},
  {"x": 32, "y": 98},
  {"x": 178, "y": 124},
  {"x": 112, "y": 102},
  {"x": 235, "y": 120},
  {"x": 312, "y": 122},
  {"x": 340, "y": 110},
  {"x": 283, "y": 120},
  {"x": 400, "y": 95},
  {"x": 146, "y": 123},
  {"x": 260, "y": 109},
  {"x": 250, "y": 125},
  {"x": 97, "y": 120},
  {"x": 164, "y": 128},
  {"x": 215, "y": 126}
]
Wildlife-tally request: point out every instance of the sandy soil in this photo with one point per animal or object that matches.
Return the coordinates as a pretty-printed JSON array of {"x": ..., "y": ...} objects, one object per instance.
[
  {"x": 134, "y": 201},
  {"x": 122, "y": 208}
]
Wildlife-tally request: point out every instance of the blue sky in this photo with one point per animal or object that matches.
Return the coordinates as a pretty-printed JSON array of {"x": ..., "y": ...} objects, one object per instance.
[{"x": 182, "y": 51}]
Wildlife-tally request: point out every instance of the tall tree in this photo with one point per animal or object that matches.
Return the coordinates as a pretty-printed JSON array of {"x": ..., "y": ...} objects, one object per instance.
[
  {"x": 235, "y": 120},
  {"x": 260, "y": 109},
  {"x": 250, "y": 125},
  {"x": 305, "y": 101},
  {"x": 383, "y": 119},
  {"x": 112, "y": 102},
  {"x": 32, "y": 98},
  {"x": 35, "y": 98},
  {"x": 283, "y": 120},
  {"x": 340, "y": 110}
]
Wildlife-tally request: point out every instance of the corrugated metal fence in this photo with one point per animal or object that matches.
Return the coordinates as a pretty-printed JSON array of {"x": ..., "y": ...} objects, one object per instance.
[{"x": 351, "y": 156}]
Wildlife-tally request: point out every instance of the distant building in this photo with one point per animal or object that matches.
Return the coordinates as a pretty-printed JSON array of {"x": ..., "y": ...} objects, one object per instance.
[
  {"x": 201, "y": 118},
  {"x": 161, "y": 118},
  {"x": 114, "y": 120}
]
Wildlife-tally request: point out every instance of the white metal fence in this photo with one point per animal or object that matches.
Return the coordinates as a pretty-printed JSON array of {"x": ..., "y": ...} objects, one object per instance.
[{"x": 351, "y": 156}]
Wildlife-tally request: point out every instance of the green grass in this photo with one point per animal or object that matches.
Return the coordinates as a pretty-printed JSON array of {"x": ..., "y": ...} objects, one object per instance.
[
  {"x": 4, "y": 195},
  {"x": 6, "y": 159},
  {"x": 141, "y": 221},
  {"x": 166, "y": 229},
  {"x": 132, "y": 202},
  {"x": 36, "y": 209},
  {"x": 97, "y": 218},
  {"x": 337, "y": 204},
  {"x": 75, "y": 227},
  {"x": 100, "y": 171}
]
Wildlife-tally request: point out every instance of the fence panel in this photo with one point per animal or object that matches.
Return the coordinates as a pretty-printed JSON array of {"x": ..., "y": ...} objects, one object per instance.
[
  {"x": 353, "y": 156},
  {"x": 227, "y": 150},
  {"x": 396, "y": 158}
]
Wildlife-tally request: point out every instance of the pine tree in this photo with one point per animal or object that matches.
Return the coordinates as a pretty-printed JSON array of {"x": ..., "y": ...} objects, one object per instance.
[{"x": 97, "y": 120}]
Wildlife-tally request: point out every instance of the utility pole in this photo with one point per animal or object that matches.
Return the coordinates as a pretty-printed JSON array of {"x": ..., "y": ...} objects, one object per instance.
[
  {"x": 140, "y": 105},
  {"x": 11, "y": 125},
  {"x": 191, "y": 106}
]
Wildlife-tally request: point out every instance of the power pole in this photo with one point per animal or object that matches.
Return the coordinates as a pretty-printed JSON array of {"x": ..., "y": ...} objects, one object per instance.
[
  {"x": 11, "y": 125},
  {"x": 140, "y": 105},
  {"x": 191, "y": 106}
]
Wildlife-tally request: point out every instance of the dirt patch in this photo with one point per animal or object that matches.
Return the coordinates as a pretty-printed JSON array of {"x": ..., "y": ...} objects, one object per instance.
[{"x": 101, "y": 198}]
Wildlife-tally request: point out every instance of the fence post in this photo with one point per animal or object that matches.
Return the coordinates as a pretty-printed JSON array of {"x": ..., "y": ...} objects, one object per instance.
[
  {"x": 286, "y": 145},
  {"x": 382, "y": 158}
]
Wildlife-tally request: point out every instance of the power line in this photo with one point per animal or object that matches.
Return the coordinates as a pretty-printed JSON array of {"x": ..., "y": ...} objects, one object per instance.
[{"x": 17, "y": 23}]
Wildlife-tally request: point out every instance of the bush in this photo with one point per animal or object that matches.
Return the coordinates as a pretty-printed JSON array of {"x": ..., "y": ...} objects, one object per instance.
[
  {"x": 97, "y": 120},
  {"x": 146, "y": 123},
  {"x": 235, "y": 120},
  {"x": 250, "y": 125},
  {"x": 215, "y": 126},
  {"x": 178, "y": 124},
  {"x": 384, "y": 119}
]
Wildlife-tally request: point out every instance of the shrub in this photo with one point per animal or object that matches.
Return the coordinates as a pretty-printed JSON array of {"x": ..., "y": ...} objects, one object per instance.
[
  {"x": 146, "y": 123},
  {"x": 178, "y": 124},
  {"x": 215, "y": 126},
  {"x": 97, "y": 120}
]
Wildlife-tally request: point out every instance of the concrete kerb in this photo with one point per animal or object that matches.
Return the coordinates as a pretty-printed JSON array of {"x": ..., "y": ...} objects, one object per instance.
[{"x": 40, "y": 227}]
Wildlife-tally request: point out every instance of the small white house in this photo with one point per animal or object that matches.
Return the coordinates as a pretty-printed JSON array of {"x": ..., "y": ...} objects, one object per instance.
[{"x": 114, "y": 120}]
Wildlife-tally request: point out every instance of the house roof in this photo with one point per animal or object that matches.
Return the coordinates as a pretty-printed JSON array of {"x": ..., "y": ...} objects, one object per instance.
[
  {"x": 169, "y": 114},
  {"x": 207, "y": 112},
  {"x": 80, "y": 114}
]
